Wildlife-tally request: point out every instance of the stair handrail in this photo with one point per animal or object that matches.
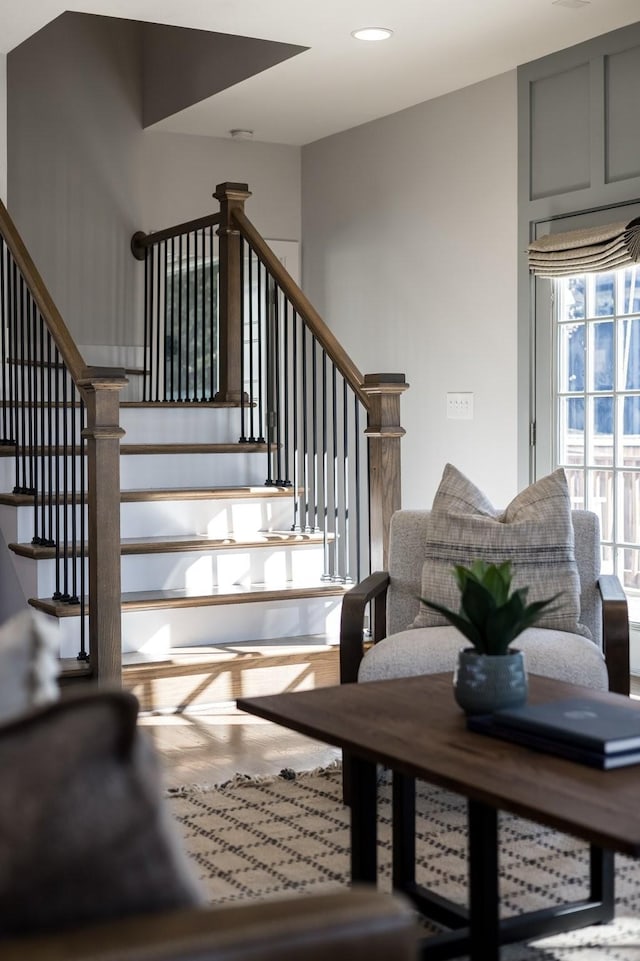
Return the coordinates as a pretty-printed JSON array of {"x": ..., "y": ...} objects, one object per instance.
[
  {"x": 99, "y": 390},
  {"x": 141, "y": 241},
  {"x": 52, "y": 316},
  {"x": 303, "y": 306}
]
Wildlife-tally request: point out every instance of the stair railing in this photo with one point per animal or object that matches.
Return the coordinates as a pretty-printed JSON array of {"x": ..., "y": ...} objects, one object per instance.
[
  {"x": 269, "y": 352},
  {"x": 59, "y": 421}
]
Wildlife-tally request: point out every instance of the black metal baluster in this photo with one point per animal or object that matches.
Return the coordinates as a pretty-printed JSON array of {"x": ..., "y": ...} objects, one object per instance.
[
  {"x": 157, "y": 321},
  {"x": 44, "y": 440},
  {"x": 12, "y": 370},
  {"x": 75, "y": 551},
  {"x": 276, "y": 386},
  {"x": 82, "y": 507},
  {"x": 202, "y": 381},
  {"x": 286, "y": 376},
  {"x": 305, "y": 439},
  {"x": 171, "y": 357},
  {"x": 165, "y": 320},
  {"x": 145, "y": 339},
  {"x": 30, "y": 411},
  {"x": 250, "y": 347},
  {"x": 268, "y": 379},
  {"x": 6, "y": 394},
  {"x": 263, "y": 320},
  {"x": 52, "y": 422},
  {"x": 187, "y": 321},
  {"x": 314, "y": 429},
  {"x": 295, "y": 526},
  {"x": 347, "y": 550},
  {"x": 58, "y": 593},
  {"x": 151, "y": 304},
  {"x": 213, "y": 328},
  {"x": 358, "y": 513},
  {"x": 326, "y": 574},
  {"x": 243, "y": 316},
  {"x": 23, "y": 483},
  {"x": 336, "y": 490},
  {"x": 65, "y": 482},
  {"x": 180, "y": 317}
]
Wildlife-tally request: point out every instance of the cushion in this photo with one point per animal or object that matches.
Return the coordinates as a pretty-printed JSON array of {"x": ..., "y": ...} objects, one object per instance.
[
  {"x": 83, "y": 835},
  {"x": 29, "y": 664},
  {"x": 567, "y": 657},
  {"x": 535, "y": 533}
]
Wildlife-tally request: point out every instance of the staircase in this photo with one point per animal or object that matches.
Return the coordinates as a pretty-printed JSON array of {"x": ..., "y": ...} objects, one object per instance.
[{"x": 197, "y": 543}]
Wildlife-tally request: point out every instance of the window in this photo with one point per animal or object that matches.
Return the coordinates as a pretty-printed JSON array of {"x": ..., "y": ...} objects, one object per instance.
[{"x": 597, "y": 410}]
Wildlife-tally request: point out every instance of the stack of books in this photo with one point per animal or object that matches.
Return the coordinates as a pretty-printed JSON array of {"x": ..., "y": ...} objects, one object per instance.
[{"x": 593, "y": 732}]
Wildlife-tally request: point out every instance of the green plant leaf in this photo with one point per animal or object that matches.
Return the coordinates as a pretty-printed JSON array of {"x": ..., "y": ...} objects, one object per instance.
[{"x": 465, "y": 627}]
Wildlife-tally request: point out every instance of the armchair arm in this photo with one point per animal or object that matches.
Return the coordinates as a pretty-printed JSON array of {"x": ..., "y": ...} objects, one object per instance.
[
  {"x": 615, "y": 632},
  {"x": 354, "y": 603},
  {"x": 361, "y": 924}
]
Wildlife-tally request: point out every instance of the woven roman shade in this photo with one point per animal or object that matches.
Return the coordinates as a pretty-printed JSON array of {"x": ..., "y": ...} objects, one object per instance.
[{"x": 590, "y": 250}]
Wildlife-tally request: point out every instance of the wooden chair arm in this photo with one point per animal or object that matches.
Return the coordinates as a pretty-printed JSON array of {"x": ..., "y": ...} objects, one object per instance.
[
  {"x": 354, "y": 604},
  {"x": 343, "y": 926},
  {"x": 615, "y": 632}
]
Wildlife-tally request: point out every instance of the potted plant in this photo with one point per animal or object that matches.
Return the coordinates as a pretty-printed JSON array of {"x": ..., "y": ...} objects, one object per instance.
[{"x": 490, "y": 674}]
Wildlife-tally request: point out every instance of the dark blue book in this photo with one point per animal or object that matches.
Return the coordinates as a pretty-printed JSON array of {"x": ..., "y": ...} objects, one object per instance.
[
  {"x": 570, "y": 750},
  {"x": 602, "y": 726}
]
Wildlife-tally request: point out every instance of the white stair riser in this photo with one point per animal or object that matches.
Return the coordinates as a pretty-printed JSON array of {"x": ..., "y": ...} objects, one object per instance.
[
  {"x": 158, "y": 631},
  {"x": 209, "y": 518},
  {"x": 153, "y": 471},
  {"x": 168, "y": 425},
  {"x": 215, "y": 518},
  {"x": 198, "y": 573},
  {"x": 193, "y": 571},
  {"x": 181, "y": 425}
]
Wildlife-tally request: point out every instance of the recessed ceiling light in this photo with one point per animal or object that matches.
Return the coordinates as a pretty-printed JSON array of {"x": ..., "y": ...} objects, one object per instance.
[
  {"x": 241, "y": 134},
  {"x": 572, "y": 4},
  {"x": 372, "y": 33}
]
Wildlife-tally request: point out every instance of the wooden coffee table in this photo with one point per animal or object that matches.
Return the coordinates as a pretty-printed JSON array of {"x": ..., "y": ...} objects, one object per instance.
[{"x": 413, "y": 726}]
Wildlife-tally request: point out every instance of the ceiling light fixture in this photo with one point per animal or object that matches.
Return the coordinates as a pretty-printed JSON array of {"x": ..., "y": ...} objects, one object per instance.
[
  {"x": 241, "y": 134},
  {"x": 372, "y": 33}
]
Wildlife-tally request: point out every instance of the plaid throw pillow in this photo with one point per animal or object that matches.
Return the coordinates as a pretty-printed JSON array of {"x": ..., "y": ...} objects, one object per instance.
[{"x": 535, "y": 533}]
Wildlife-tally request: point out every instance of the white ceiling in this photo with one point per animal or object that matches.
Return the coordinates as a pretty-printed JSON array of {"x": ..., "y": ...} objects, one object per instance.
[{"x": 438, "y": 46}]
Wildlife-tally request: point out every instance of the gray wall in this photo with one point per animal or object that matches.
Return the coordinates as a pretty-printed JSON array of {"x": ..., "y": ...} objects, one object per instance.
[
  {"x": 3, "y": 128},
  {"x": 83, "y": 175},
  {"x": 409, "y": 253},
  {"x": 579, "y": 150}
]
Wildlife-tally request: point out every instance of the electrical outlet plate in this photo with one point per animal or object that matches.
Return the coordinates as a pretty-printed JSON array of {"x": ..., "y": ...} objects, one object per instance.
[{"x": 460, "y": 406}]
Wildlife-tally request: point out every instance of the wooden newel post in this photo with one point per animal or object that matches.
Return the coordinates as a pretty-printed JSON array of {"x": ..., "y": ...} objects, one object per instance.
[
  {"x": 384, "y": 433},
  {"x": 101, "y": 392},
  {"x": 230, "y": 387}
]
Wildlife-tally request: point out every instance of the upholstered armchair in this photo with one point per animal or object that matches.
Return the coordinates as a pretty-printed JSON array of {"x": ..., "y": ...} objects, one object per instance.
[
  {"x": 91, "y": 870},
  {"x": 595, "y": 653}
]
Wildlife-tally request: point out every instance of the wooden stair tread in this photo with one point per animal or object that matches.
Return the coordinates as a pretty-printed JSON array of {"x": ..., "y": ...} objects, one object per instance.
[
  {"x": 186, "y": 542},
  {"x": 185, "y": 404},
  {"x": 178, "y": 598},
  {"x": 165, "y": 494},
  {"x": 236, "y": 447}
]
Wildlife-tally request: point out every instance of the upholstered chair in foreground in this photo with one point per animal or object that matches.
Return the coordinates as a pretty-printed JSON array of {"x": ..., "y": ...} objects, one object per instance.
[{"x": 91, "y": 869}]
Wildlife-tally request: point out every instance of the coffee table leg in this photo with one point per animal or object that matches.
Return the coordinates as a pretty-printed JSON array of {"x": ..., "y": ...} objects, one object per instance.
[
  {"x": 484, "y": 921},
  {"x": 364, "y": 818}
]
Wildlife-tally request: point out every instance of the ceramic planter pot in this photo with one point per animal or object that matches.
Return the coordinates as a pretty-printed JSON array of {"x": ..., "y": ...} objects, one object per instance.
[{"x": 484, "y": 683}]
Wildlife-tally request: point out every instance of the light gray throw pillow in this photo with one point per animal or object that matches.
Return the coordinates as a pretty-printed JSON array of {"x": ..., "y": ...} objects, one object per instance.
[{"x": 535, "y": 533}]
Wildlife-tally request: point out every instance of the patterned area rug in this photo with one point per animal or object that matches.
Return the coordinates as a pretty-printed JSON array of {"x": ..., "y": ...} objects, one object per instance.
[{"x": 289, "y": 835}]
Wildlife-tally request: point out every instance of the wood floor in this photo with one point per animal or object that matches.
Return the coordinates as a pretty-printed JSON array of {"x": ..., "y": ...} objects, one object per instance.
[{"x": 211, "y": 746}]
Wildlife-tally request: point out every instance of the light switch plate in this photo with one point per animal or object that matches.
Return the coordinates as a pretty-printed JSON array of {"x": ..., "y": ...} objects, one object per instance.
[{"x": 460, "y": 406}]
